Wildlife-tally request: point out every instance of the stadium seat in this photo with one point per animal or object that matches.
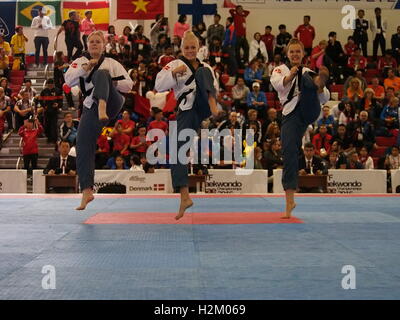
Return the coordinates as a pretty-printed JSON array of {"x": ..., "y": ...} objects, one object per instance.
[
  {"x": 378, "y": 152},
  {"x": 337, "y": 88},
  {"x": 385, "y": 141}
]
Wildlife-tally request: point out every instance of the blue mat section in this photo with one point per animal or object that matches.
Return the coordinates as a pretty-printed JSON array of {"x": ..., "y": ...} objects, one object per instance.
[{"x": 260, "y": 261}]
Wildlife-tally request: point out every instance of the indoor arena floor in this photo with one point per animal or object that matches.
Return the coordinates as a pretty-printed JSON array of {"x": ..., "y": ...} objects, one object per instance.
[{"x": 226, "y": 247}]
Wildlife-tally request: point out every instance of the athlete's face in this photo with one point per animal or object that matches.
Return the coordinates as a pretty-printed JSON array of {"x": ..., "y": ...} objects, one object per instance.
[
  {"x": 95, "y": 45},
  {"x": 190, "y": 49},
  {"x": 295, "y": 54}
]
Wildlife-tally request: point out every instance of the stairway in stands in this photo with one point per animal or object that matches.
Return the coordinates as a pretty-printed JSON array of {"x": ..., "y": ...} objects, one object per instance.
[{"x": 10, "y": 154}]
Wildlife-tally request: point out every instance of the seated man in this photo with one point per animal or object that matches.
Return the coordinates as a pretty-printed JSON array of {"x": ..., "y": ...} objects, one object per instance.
[
  {"x": 62, "y": 164},
  {"x": 256, "y": 99},
  {"x": 310, "y": 164}
]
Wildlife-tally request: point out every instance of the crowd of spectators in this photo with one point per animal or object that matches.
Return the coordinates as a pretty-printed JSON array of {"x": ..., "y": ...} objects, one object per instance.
[{"x": 367, "y": 91}]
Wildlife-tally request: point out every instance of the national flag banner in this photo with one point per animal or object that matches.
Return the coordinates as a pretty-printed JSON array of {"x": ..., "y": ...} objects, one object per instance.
[
  {"x": 7, "y": 19},
  {"x": 139, "y": 9},
  {"x": 27, "y": 10},
  {"x": 229, "y": 4},
  {"x": 142, "y": 106},
  {"x": 100, "y": 11}
]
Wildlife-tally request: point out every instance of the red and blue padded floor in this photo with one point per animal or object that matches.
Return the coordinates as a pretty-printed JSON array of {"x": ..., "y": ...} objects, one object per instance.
[{"x": 226, "y": 247}]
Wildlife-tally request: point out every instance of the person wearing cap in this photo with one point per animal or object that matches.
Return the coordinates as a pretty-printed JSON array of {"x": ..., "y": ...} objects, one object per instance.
[
  {"x": 18, "y": 43},
  {"x": 41, "y": 24},
  {"x": 51, "y": 99},
  {"x": 87, "y": 27},
  {"x": 256, "y": 99}
]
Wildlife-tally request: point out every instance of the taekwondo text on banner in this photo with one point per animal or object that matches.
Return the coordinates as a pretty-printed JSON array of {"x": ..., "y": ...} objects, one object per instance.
[
  {"x": 7, "y": 19},
  {"x": 100, "y": 11},
  {"x": 27, "y": 10},
  {"x": 139, "y": 9}
]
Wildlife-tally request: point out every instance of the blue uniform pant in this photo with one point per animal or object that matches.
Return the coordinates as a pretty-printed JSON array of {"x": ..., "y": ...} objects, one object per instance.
[
  {"x": 90, "y": 127},
  {"x": 294, "y": 126},
  {"x": 191, "y": 119}
]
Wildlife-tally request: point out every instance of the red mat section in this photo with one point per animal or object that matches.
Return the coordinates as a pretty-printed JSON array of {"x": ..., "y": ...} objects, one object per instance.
[{"x": 190, "y": 218}]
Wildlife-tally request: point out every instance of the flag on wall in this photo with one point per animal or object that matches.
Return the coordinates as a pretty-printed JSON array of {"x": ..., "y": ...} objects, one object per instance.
[
  {"x": 139, "y": 9},
  {"x": 27, "y": 10},
  {"x": 100, "y": 10},
  {"x": 229, "y": 4},
  {"x": 7, "y": 19}
]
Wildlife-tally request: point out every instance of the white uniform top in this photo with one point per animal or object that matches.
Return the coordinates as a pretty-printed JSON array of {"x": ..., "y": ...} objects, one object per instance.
[
  {"x": 277, "y": 77},
  {"x": 45, "y": 21},
  {"x": 165, "y": 81},
  {"x": 75, "y": 71}
]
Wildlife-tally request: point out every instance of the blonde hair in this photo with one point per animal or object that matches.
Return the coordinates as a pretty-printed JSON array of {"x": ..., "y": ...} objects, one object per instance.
[
  {"x": 188, "y": 36},
  {"x": 370, "y": 91},
  {"x": 97, "y": 33}
]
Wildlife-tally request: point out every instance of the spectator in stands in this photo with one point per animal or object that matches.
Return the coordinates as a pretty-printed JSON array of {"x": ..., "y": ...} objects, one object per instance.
[
  {"x": 310, "y": 164},
  {"x": 87, "y": 27},
  {"x": 24, "y": 109},
  {"x": 386, "y": 62},
  {"x": 139, "y": 144},
  {"x": 317, "y": 55},
  {"x": 102, "y": 151},
  {"x": 42, "y": 24},
  {"x": 344, "y": 138},
  {"x": 354, "y": 91},
  {"x": 253, "y": 73},
  {"x": 5, "y": 45},
  {"x": 334, "y": 50},
  {"x": 51, "y": 99},
  {"x": 215, "y": 30},
  {"x": 136, "y": 165},
  {"x": 370, "y": 104},
  {"x": 162, "y": 44},
  {"x": 128, "y": 126},
  {"x": 282, "y": 39},
  {"x": 365, "y": 159},
  {"x": 306, "y": 34},
  {"x": 119, "y": 163},
  {"x": 158, "y": 28},
  {"x": 18, "y": 44},
  {"x": 341, "y": 159},
  {"x": 360, "y": 33},
  {"x": 229, "y": 46},
  {"x": 252, "y": 119},
  {"x": 72, "y": 35},
  {"x": 121, "y": 140},
  {"x": 5, "y": 108},
  {"x": 350, "y": 47},
  {"x": 392, "y": 161},
  {"x": 157, "y": 123},
  {"x": 392, "y": 80},
  {"x": 239, "y": 94},
  {"x": 378, "y": 27},
  {"x": 181, "y": 26},
  {"x": 357, "y": 61},
  {"x": 111, "y": 32},
  {"x": 353, "y": 162},
  {"x": 378, "y": 89},
  {"x": 28, "y": 88},
  {"x": 258, "y": 49},
  {"x": 363, "y": 131},
  {"x": 59, "y": 68},
  {"x": 396, "y": 45},
  {"x": 4, "y": 64},
  {"x": 389, "y": 94},
  {"x": 176, "y": 44},
  {"x": 359, "y": 76},
  {"x": 390, "y": 114},
  {"x": 8, "y": 93},
  {"x": 140, "y": 43},
  {"x": 256, "y": 99},
  {"x": 29, "y": 133},
  {"x": 348, "y": 116},
  {"x": 269, "y": 40},
  {"x": 273, "y": 160},
  {"x": 321, "y": 141},
  {"x": 273, "y": 131},
  {"x": 239, "y": 18},
  {"x": 326, "y": 119},
  {"x": 231, "y": 121},
  {"x": 63, "y": 163},
  {"x": 167, "y": 57},
  {"x": 69, "y": 128}
]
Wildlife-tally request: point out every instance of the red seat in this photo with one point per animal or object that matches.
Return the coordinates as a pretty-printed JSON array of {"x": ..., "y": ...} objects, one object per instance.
[
  {"x": 385, "y": 141},
  {"x": 17, "y": 73},
  {"x": 378, "y": 152},
  {"x": 271, "y": 103},
  {"x": 229, "y": 88},
  {"x": 337, "y": 88},
  {"x": 371, "y": 73}
]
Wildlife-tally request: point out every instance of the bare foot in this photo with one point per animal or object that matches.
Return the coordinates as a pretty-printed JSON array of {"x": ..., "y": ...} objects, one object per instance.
[
  {"x": 289, "y": 209},
  {"x": 87, "y": 196},
  {"x": 103, "y": 110},
  {"x": 186, "y": 204}
]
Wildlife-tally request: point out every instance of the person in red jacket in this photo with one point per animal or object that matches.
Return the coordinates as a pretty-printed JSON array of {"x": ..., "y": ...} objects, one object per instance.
[
  {"x": 239, "y": 19},
  {"x": 357, "y": 61},
  {"x": 29, "y": 133},
  {"x": 268, "y": 38},
  {"x": 321, "y": 141},
  {"x": 306, "y": 34},
  {"x": 158, "y": 123},
  {"x": 102, "y": 152}
]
